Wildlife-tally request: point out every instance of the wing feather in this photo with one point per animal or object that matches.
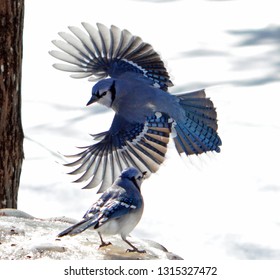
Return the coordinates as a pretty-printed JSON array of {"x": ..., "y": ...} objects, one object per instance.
[
  {"x": 132, "y": 144},
  {"x": 99, "y": 52}
]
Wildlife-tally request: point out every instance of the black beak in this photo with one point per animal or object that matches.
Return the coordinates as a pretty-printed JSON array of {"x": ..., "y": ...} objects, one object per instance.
[{"x": 93, "y": 99}]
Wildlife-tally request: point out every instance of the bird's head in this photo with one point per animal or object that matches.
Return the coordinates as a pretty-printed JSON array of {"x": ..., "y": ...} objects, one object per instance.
[
  {"x": 103, "y": 92},
  {"x": 134, "y": 175}
]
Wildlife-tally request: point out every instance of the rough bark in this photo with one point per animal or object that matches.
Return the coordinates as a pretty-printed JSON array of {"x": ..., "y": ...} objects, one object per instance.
[{"x": 11, "y": 133}]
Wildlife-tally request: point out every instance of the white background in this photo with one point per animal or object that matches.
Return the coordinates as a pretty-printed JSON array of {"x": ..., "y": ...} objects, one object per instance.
[{"x": 222, "y": 206}]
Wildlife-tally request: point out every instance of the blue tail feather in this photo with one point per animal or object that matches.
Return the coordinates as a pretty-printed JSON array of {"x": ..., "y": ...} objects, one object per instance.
[
  {"x": 78, "y": 227},
  {"x": 193, "y": 138},
  {"x": 197, "y": 133}
]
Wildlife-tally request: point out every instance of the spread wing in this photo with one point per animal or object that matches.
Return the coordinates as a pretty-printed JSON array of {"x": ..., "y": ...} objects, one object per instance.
[
  {"x": 104, "y": 51},
  {"x": 142, "y": 145}
]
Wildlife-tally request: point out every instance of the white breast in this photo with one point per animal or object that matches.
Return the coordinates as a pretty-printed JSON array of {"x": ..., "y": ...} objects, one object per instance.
[{"x": 123, "y": 225}]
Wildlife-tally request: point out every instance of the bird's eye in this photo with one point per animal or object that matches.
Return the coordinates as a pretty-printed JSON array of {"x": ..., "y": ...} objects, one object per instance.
[{"x": 101, "y": 94}]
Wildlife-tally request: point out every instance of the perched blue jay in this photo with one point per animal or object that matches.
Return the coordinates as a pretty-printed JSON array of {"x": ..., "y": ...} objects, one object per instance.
[
  {"x": 145, "y": 113},
  {"x": 117, "y": 211}
]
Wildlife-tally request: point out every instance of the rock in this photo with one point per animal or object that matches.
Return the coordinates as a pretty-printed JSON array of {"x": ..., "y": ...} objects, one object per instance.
[
  {"x": 23, "y": 236},
  {"x": 9, "y": 212}
]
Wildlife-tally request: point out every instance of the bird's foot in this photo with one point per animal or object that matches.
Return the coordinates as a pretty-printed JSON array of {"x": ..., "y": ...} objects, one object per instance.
[
  {"x": 104, "y": 244},
  {"x": 135, "y": 250}
]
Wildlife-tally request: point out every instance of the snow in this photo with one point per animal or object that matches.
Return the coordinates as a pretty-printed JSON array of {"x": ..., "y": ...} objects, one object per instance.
[
  {"x": 220, "y": 206},
  {"x": 23, "y": 237}
]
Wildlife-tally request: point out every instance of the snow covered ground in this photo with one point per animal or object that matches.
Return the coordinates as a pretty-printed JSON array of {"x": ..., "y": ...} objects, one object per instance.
[{"x": 220, "y": 206}]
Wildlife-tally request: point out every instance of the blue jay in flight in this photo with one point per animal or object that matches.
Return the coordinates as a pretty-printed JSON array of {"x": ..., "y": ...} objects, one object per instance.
[
  {"x": 146, "y": 115},
  {"x": 117, "y": 211}
]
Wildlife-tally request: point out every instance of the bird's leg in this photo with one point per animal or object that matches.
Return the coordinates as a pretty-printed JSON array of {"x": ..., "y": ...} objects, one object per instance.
[
  {"x": 134, "y": 248},
  {"x": 103, "y": 243}
]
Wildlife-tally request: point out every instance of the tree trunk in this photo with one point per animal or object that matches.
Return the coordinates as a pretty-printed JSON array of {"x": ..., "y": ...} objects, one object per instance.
[{"x": 11, "y": 133}]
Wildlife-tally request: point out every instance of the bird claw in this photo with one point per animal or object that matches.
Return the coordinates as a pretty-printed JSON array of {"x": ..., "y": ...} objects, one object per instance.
[
  {"x": 104, "y": 244},
  {"x": 136, "y": 250}
]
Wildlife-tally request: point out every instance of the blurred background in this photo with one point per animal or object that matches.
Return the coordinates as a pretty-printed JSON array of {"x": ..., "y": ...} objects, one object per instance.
[{"x": 218, "y": 206}]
